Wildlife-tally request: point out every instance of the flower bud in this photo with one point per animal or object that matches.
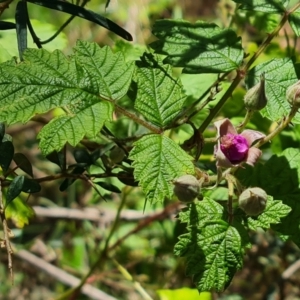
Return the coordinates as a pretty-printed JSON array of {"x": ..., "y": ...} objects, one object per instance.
[
  {"x": 186, "y": 188},
  {"x": 255, "y": 98},
  {"x": 293, "y": 94},
  {"x": 253, "y": 201}
]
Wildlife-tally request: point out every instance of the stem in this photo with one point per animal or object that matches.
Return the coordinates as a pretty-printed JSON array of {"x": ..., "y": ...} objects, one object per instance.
[
  {"x": 247, "y": 118},
  {"x": 136, "y": 284},
  {"x": 285, "y": 122}
]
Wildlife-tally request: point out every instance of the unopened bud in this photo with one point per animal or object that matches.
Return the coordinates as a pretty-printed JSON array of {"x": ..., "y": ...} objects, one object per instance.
[
  {"x": 255, "y": 98},
  {"x": 293, "y": 94},
  {"x": 253, "y": 201},
  {"x": 117, "y": 154},
  {"x": 186, "y": 188}
]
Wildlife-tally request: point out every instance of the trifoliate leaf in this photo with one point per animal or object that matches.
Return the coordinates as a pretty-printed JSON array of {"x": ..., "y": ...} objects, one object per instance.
[
  {"x": 274, "y": 211},
  {"x": 200, "y": 212},
  {"x": 197, "y": 47},
  {"x": 267, "y": 6},
  {"x": 157, "y": 160},
  {"x": 213, "y": 252},
  {"x": 160, "y": 96},
  {"x": 279, "y": 75},
  {"x": 79, "y": 84}
]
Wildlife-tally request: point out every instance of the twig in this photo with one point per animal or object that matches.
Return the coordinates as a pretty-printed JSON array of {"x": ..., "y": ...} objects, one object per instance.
[
  {"x": 291, "y": 270},
  {"x": 62, "y": 276}
]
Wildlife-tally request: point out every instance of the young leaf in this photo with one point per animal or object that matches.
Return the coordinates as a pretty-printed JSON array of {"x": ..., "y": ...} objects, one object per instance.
[
  {"x": 279, "y": 75},
  {"x": 23, "y": 163},
  {"x": 19, "y": 212},
  {"x": 159, "y": 97},
  {"x": 157, "y": 160},
  {"x": 275, "y": 210},
  {"x": 267, "y": 6},
  {"x": 214, "y": 253},
  {"x": 198, "y": 48},
  {"x": 78, "y": 84},
  {"x": 6, "y": 154}
]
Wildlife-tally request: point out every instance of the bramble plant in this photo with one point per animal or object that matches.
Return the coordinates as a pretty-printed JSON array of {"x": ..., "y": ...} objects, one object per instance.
[{"x": 170, "y": 121}]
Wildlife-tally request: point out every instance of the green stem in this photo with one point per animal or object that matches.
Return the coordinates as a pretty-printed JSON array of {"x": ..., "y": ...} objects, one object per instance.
[{"x": 247, "y": 118}]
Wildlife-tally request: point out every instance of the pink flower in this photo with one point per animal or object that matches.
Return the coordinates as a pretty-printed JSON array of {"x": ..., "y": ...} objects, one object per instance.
[{"x": 233, "y": 148}]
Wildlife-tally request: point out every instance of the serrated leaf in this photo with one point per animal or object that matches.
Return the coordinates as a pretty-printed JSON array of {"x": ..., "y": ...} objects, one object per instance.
[
  {"x": 279, "y": 75},
  {"x": 157, "y": 160},
  {"x": 275, "y": 210},
  {"x": 214, "y": 253},
  {"x": 23, "y": 163},
  {"x": 14, "y": 189},
  {"x": 160, "y": 96},
  {"x": 197, "y": 47},
  {"x": 19, "y": 212},
  {"x": 279, "y": 177},
  {"x": 200, "y": 212},
  {"x": 108, "y": 186},
  {"x": 6, "y": 154},
  {"x": 72, "y": 83},
  {"x": 267, "y": 6},
  {"x": 294, "y": 20}
]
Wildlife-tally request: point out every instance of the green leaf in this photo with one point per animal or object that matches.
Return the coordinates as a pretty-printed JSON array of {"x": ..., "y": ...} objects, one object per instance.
[
  {"x": 294, "y": 20},
  {"x": 214, "y": 253},
  {"x": 279, "y": 177},
  {"x": 199, "y": 47},
  {"x": 108, "y": 186},
  {"x": 279, "y": 75},
  {"x": 275, "y": 210},
  {"x": 267, "y": 6},
  {"x": 157, "y": 160},
  {"x": 78, "y": 84},
  {"x": 57, "y": 158},
  {"x": 23, "y": 163},
  {"x": 200, "y": 212},
  {"x": 160, "y": 96},
  {"x": 6, "y": 154},
  {"x": 19, "y": 212},
  {"x": 82, "y": 156},
  {"x": 14, "y": 189},
  {"x": 30, "y": 186},
  {"x": 183, "y": 293}
]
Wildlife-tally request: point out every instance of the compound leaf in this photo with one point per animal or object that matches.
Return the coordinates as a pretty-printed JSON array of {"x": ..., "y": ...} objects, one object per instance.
[
  {"x": 279, "y": 75},
  {"x": 157, "y": 160},
  {"x": 84, "y": 85},
  {"x": 160, "y": 97},
  {"x": 267, "y": 6},
  {"x": 199, "y": 47},
  {"x": 275, "y": 210},
  {"x": 214, "y": 252}
]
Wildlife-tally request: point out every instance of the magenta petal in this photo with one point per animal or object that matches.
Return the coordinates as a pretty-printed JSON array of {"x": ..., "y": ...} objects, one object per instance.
[
  {"x": 252, "y": 135},
  {"x": 253, "y": 156}
]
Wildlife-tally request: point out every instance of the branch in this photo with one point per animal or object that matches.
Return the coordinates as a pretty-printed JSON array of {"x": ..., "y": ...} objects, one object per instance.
[{"x": 62, "y": 276}]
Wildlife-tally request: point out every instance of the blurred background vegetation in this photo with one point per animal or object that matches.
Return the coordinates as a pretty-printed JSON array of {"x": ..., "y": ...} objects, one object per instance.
[{"x": 70, "y": 228}]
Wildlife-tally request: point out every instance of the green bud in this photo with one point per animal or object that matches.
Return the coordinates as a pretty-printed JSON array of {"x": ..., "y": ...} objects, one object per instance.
[
  {"x": 116, "y": 154},
  {"x": 186, "y": 188},
  {"x": 255, "y": 98},
  {"x": 293, "y": 94},
  {"x": 253, "y": 201}
]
